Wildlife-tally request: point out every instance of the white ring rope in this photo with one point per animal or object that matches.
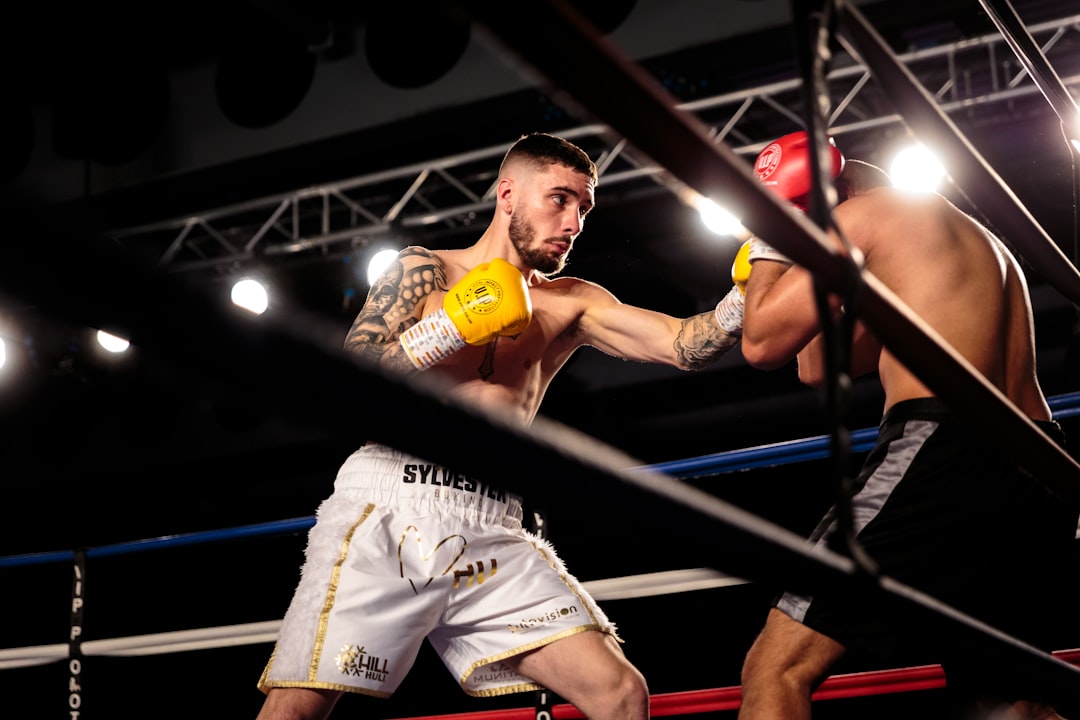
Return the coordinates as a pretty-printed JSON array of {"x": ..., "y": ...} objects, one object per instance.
[{"x": 632, "y": 586}]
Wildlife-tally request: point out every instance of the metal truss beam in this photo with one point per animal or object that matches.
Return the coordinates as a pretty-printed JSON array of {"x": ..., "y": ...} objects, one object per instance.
[{"x": 447, "y": 194}]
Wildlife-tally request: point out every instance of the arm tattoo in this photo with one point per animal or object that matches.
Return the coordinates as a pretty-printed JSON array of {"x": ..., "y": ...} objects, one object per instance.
[
  {"x": 391, "y": 306},
  {"x": 701, "y": 341}
]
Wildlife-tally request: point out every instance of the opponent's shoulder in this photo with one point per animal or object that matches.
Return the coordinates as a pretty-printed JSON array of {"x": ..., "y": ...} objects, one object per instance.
[
  {"x": 869, "y": 203},
  {"x": 879, "y": 216}
]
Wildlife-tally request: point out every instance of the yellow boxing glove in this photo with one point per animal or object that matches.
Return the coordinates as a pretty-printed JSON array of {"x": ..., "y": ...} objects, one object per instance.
[
  {"x": 492, "y": 299},
  {"x": 729, "y": 311},
  {"x": 740, "y": 269}
]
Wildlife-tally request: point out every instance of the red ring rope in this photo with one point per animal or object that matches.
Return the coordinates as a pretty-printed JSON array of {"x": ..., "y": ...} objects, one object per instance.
[{"x": 860, "y": 684}]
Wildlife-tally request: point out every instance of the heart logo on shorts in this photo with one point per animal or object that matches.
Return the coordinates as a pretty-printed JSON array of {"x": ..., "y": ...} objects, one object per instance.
[{"x": 444, "y": 548}]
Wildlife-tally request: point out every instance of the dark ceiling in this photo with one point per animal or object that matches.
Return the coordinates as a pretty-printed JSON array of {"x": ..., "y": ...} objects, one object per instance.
[{"x": 110, "y": 451}]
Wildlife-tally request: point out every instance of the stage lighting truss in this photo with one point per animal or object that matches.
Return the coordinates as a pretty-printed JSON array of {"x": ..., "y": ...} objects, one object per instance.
[{"x": 447, "y": 195}]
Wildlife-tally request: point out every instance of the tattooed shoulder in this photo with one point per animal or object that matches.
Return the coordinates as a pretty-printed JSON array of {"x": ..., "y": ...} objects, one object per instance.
[{"x": 392, "y": 301}]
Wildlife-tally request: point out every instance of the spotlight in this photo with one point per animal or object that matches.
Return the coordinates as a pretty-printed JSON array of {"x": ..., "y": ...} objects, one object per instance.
[
  {"x": 250, "y": 295},
  {"x": 718, "y": 219},
  {"x": 111, "y": 342},
  {"x": 378, "y": 263},
  {"x": 916, "y": 168},
  {"x": 1073, "y": 135}
]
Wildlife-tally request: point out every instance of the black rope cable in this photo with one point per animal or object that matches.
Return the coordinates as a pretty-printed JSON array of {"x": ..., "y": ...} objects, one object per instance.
[
  {"x": 1061, "y": 101},
  {"x": 1031, "y": 56},
  {"x": 814, "y": 28}
]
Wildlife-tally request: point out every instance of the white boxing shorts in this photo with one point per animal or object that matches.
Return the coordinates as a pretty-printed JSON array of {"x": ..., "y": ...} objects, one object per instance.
[{"x": 404, "y": 550}]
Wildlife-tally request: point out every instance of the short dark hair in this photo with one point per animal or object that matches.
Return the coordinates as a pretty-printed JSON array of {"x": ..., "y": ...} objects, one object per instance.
[{"x": 545, "y": 149}]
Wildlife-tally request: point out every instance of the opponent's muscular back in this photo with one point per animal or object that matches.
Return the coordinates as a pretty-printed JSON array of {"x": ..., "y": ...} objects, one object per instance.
[{"x": 959, "y": 279}]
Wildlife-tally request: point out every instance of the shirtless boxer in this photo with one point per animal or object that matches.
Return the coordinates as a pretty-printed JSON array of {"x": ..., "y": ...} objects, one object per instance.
[
  {"x": 938, "y": 506},
  {"x": 405, "y": 549}
]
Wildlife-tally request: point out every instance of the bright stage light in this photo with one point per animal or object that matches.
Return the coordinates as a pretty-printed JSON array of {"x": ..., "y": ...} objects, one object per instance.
[
  {"x": 250, "y": 295},
  {"x": 718, "y": 219},
  {"x": 111, "y": 342},
  {"x": 916, "y": 168},
  {"x": 378, "y": 264}
]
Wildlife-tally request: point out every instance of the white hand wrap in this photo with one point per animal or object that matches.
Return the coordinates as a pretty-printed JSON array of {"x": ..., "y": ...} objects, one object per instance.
[
  {"x": 729, "y": 312},
  {"x": 761, "y": 250},
  {"x": 430, "y": 340}
]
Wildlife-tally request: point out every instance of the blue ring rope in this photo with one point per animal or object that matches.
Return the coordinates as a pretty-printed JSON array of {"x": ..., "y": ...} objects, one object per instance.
[{"x": 783, "y": 453}]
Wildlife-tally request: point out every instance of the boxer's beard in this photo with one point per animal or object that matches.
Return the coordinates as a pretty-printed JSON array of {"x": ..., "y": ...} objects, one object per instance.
[{"x": 523, "y": 235}]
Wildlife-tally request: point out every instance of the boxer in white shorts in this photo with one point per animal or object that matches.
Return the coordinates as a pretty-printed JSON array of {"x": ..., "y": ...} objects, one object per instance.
[{"x": 406, "y": 549}]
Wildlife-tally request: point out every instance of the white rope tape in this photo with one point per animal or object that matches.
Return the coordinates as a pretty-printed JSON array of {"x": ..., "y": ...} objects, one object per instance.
[{"x": 633, "y": 586}]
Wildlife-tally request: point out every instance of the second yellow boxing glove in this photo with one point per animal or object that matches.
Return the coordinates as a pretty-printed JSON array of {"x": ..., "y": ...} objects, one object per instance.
[
  {"x": 740, "y": 269},
  {"x": 729, "y": 311}
]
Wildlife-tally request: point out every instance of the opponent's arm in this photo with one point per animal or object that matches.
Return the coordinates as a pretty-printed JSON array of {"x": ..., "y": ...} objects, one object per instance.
[
  {"x": 393, "y": 305},
  {"x": 865, "y": 353},
  {"x": 780, "y": 316}
]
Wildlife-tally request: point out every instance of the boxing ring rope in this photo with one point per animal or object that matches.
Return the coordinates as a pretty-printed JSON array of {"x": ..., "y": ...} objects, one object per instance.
[
  {"x": 849, "y": 685},
  {"x": 1034, "y": 61},
  {"x": 645, "y": 585},
  {"x": 839, "y": 686},
  {"x": 122, "y": 296}
]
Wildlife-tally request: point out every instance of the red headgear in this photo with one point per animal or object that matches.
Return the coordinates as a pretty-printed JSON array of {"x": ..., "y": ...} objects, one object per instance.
[{"x": 784, "y": 167}]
